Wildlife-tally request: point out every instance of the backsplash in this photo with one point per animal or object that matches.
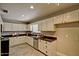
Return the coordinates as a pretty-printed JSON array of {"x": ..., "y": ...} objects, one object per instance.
[
  {"x": 48, "y": 33},
  {"x": 13, "y": 32}
]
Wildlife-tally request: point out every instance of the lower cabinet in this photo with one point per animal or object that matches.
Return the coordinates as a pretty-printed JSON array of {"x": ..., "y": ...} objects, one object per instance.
[
  {"x": 20, "y": 39},
  {"x": 16, "y": 40},
  {"x": 41, "y": 45},
  {"x": 29, "y": 40},
  {"x": 49, "y": 48}
]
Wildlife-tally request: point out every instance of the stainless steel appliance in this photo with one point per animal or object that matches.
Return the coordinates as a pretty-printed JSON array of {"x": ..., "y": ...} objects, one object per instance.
[
  {"x": 35, "y": 43},
  {"x": 4, "y": 42}
]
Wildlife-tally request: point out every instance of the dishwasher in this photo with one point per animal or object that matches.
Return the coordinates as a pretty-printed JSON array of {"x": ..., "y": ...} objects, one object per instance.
[{"x": 35, "y": 42}]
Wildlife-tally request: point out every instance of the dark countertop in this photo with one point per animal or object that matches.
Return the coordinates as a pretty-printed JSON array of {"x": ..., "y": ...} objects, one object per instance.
[
  {"x": 45, "y": 38},
  {"x": 48, "y": 38},
  {"x": 14, "y": 35}
]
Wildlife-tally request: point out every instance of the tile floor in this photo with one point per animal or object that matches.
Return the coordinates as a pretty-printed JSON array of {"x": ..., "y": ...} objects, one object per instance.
[{"x": 24, "y": 50}]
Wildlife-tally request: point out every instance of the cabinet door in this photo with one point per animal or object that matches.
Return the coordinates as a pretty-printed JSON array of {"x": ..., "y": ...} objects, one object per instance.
[
  {"x": 20, "y": 39},
  {"x": 56, "y": 20},
  {"x": 50, "y": 25},
  {"x": 71, "y": 16},
  {"x": 40, "y": 26},
  {"x": 7, "y": 27},
  {"x": 26, "y": 40},
  {"x": 51, "y": 48},
  {"x": 22, "y": 27},
  {"x": 30, "y": 41},
  {"x": 12, "y": 41},
  {"x": 41, "y": 46},
  {"x": 43, "y": 25},
  {"x": 28, "y": 27},
  {"x": 15, "y": 27},
  {"x": 16, "y": 40},
  {"x": 68, "y": 17}
]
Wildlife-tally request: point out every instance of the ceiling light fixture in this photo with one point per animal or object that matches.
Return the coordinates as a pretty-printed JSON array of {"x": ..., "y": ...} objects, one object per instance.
[
  {"x": 58, "y": 4},
  {"x": 32, "y": 7},
  {"x": 48, "y": 3},
  {"x": 22, "y": 15}
]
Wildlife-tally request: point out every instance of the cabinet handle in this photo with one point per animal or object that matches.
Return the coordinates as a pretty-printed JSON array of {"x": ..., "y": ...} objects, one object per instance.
[
  {"x": 40, "y": 40},
  {"x": 46, "y": 46},
  {"x": 46, "y": 51}
]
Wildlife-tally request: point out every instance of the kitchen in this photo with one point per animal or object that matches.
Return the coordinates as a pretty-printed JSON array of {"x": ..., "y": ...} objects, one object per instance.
[{"x": 39, "y": 29}]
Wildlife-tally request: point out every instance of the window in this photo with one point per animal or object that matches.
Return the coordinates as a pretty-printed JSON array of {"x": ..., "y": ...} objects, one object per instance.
[{"x": 35, "y": 27}]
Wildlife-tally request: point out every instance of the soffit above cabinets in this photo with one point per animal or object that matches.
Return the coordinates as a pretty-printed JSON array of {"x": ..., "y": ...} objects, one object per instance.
[{"x": 27, "y": 12}]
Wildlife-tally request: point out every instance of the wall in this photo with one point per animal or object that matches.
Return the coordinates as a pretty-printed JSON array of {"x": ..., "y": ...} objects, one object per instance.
[
  {"x": 67, "y": 42},
  {"x": 67, "y": 39}
]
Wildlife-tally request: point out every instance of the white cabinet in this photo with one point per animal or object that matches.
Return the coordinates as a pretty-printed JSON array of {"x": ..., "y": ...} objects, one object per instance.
[
  {"x": 51, "y": 48},
  {"x": 16, "y": 40},
  {"x": 59, "y": 19},
  {"x": 72, "y": 16},
  {"x": 29, "y": 27},
  {"x": 48, "y": 25},
  {"x": 14, "y": 27},
  {"x": 20, "y": 27},
  {"x": 43, "y": 25},
  {"x": 48, "y": 48},
  {"x": 41, "y": 46},
  {"x": 39, "y": 26},
  {"x": 30, "y": 40},
  {"x": 7, "y": 27}
]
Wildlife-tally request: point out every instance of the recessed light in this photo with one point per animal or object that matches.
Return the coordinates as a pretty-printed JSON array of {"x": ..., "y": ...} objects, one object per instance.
[
  {"x": 48, "y": 3},
  {"x": 32, "y": 7},
  {"x": 22, "y": 15},
  {"x": 58, "y": 4}
]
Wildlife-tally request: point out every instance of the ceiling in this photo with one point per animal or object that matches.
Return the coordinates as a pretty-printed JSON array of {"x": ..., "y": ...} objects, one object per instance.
[{"x": 22, "y": 11}]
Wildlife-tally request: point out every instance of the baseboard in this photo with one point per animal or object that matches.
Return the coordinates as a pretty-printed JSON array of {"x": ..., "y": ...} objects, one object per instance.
[
  {"x": 60, "y": 54},
  {"x": 36, "y": 49}
]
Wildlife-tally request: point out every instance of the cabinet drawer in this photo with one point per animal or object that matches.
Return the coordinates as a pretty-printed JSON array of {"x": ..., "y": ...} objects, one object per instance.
[
  {"x": 30, "y": 40},
  {"x": 51, "y": 48},
  {"x": 41, "y": 45}
]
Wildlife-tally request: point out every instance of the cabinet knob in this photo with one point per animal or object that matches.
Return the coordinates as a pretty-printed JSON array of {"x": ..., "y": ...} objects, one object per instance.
[
  {"x": 46, "y": 46},
  {"x": 46, "y": 51}
]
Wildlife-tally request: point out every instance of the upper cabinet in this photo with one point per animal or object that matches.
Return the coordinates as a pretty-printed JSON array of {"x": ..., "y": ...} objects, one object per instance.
[
  {"x": 72, "y": 16},
  {"x": 7, "y": 27},
  {"x": 46, "y": 25},
  {"x": 14, "y": 27},
  {"x": 50, "y": 24}
]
